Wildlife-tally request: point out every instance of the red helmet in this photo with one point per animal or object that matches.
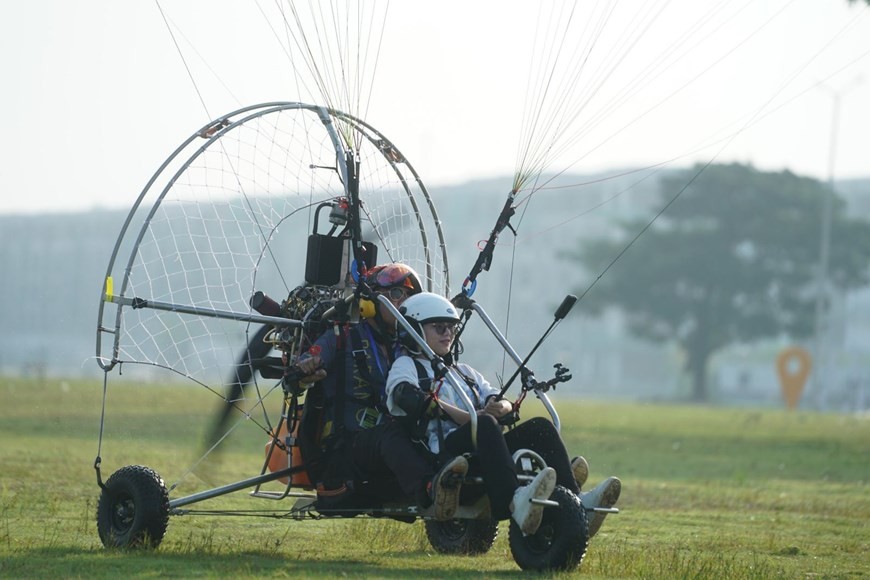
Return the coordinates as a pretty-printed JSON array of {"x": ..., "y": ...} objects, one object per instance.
[{"x": 393, "y": 275}]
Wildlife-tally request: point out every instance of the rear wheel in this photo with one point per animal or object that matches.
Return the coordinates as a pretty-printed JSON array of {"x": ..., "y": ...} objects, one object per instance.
[
  {"x": 468, "y": 537},
  {"x": 560, "y": 543},
  {"x": 133, "y": 511}
]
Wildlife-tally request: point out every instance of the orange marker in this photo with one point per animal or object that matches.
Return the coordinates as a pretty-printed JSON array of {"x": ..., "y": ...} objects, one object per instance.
[{"x": 793, "y": 365}]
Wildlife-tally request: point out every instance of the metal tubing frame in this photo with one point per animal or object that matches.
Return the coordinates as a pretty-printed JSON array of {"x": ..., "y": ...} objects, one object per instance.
[
  {"x": 213, "y": 131},
  {"x": 218, "y": 128},
  {"x": 200, "y": 311},
  {"x": 222, "y": 126},
  {"x": 239, "y": 485}
]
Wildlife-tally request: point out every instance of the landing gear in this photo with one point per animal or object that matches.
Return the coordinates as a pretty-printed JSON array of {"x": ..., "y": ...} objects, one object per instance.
[
  {"x": 560, "y": 543},
  {"x": 133, "y": 510}
]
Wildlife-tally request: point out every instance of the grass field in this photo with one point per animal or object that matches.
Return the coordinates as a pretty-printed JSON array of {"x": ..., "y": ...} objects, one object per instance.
[{"x": 707, "y": 493}]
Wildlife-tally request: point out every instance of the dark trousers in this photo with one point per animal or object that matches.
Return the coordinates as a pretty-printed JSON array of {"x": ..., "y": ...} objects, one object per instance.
[
  {"x": 493, "y": 458},
  {"x": 540, "y": 436},
  {"x": 386, "y": 449}
]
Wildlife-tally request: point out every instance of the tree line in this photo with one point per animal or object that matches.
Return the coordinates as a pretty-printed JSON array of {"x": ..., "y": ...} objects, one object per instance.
[{"x": 735, "y": 258}]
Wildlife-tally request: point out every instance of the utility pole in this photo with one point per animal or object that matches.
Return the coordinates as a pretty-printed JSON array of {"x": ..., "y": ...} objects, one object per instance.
[{"x": 819, "y": 368}]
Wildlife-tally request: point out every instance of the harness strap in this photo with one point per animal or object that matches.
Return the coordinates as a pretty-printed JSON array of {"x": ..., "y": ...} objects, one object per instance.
[
  {"x": 425, "y": 382},
  {"x": 338, "y": 403},
  {"x": 423, "y": 378},
  {"x": 362, "y": 359}
]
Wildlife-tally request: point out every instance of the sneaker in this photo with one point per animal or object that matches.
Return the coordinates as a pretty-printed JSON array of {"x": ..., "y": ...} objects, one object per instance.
[
  {"x": 445, "y": 487},
  {"x": 580, "y": 469},
  {"x": 525, "y": 513},
  {"x": 604, "y": 495}
]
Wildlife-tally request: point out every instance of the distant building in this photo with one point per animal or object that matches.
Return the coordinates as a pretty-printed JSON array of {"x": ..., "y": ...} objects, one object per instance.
[{"x": 53, "y": 267}]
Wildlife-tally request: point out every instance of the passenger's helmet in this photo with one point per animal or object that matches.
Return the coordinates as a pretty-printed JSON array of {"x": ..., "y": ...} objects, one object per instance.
[
  {"x": 421, "y": 309},
  {"x": 428, "y": 307}
]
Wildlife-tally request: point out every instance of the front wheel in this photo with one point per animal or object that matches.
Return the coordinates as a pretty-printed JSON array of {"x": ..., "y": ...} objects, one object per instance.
[
  {"x": 469, "y": 537},
  {"x": 133, "y": 511},
  {"x": 560, "y": 543}
]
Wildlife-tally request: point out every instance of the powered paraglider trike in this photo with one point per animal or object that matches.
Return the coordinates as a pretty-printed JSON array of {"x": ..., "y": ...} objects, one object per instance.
[{"x": 297, "y": 200}]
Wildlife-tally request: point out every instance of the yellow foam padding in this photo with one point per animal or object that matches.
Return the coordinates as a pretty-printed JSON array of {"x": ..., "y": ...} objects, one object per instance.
[{"x": 366, "y": 309}]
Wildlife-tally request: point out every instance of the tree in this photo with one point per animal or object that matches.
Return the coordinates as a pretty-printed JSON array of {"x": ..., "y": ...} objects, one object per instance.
[{"x": 735, "y": 258}]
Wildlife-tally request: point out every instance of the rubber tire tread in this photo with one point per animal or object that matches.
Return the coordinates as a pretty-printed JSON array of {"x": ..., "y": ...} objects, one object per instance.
[
  {"x": 561, "y": 541},
  {"x": 147, "y": 492},
  {"x": 463, "y": 537}
]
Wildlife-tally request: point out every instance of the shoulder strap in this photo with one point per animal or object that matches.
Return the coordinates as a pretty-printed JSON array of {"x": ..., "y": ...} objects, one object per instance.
[
  {"x": 361, "y": 356},
  {"x": 423, "y": 378},
  {"x": 362, "y": 359},
  {"x": 472, "y": 385}
]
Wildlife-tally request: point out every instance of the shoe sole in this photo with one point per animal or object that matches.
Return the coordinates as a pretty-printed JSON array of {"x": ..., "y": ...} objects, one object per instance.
[
  {"x": 580, "y": 471},
  {"x": 447, "y": 498},
  {"x": 608, "y": 499},
  {"x": 536, "y": 512}
]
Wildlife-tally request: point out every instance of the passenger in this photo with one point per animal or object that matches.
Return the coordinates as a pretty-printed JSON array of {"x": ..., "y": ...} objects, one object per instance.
[
  {"x": 355, "y": 383},
  {"x": 436, "y": 320}
]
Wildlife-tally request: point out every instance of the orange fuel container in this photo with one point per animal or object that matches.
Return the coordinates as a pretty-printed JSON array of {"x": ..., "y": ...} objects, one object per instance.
[{"x": 280, "y": 459}]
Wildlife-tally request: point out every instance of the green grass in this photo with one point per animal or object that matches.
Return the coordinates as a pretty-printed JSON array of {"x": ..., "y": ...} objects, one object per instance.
[{"x": 707, "y": 493}]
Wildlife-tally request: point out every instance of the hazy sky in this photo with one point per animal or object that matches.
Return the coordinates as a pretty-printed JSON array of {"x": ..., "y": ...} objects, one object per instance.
[{"x": 95, "y": 94}]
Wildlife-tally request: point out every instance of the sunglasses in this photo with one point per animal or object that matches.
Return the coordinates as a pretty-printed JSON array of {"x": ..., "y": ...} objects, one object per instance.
[
  {"x": 442, "y": 328},
  {"x": 395, "y": 294}
]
